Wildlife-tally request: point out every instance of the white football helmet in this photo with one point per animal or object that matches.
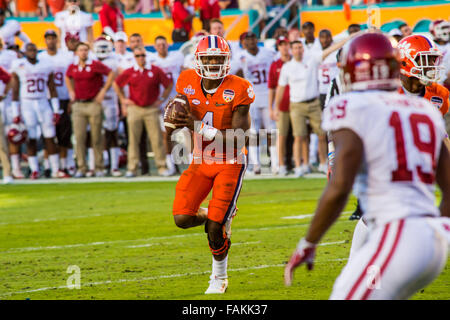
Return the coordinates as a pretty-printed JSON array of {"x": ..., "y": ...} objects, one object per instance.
[
  {"x": 440, "y": 30},
  {"x": 103, "y": 47}
]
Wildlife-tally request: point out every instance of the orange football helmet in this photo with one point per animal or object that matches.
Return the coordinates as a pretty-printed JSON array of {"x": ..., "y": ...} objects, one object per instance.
[
  {"x": 420, "y": 58},
  {"x": 212, "y": 46}
]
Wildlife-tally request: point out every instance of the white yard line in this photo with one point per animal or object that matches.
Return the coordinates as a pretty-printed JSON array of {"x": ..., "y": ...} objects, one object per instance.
[
  {"x": 310, "y": 215},
  {"x": 332, "y": 243},
  {"x": 99, "y": 243},
  {"x": 99, "y": 283}
]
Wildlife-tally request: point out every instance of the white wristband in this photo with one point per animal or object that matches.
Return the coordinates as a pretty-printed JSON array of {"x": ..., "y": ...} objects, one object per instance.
[
  {"x": 55, "y": 104},
  {"x": 15, "y": 109},
  {"x": 208, "y": 132}
]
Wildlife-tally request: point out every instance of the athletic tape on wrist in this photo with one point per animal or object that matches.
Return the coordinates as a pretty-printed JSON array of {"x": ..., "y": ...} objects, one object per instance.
[{"x": 208, "y": 132}]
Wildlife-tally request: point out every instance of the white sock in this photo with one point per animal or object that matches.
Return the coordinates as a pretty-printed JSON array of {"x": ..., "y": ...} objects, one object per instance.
[
  {"x": 46, "y": 164},
  {"x": 15, "y": 162},
  {"x": 273, "y": 157},
  {"x": 63, "y": 163},
  {"x": 219, "y": 268},
  {"x": 169, "y": 163},
  {"x": 70, "y": 159},
  {"x": 33, "y": 163},
  {"x": 105, "y": 158},
  {"x": 91, "y": 159},
  {"x": 359, "y": 237},
  {"x": 313, "y": 147},
  {"x": 115, "y": 153},
  {"x": 253, "y": 155},
  {"x": 191, "y": 158},
  {"x": 54, "y": 162}
]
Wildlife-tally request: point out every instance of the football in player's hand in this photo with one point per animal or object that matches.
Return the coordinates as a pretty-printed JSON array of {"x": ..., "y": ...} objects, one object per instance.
[{"x": 178, "y": 106}]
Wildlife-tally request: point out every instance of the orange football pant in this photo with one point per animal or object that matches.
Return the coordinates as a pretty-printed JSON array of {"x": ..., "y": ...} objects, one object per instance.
[{"x": 196, "y": 182}]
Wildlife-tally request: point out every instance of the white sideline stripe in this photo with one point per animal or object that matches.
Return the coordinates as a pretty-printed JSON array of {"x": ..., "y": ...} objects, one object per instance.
[
  {"x": 25, "y": 249},
  {"x": 156, "y": 244},
  {"x": 263, "y": 176},
  {"x": 99, "y": 283},
  {"x": 309, "y": 215}
]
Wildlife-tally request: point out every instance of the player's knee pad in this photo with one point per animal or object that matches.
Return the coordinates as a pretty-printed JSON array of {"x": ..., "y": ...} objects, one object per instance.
[{"x": 219, "y": 243}]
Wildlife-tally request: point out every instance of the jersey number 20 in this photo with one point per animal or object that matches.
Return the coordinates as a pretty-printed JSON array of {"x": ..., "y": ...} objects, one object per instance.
[{"x": 403, "y": 173}]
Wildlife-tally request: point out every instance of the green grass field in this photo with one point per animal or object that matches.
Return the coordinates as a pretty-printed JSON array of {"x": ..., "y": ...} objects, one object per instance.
[{"x": 123, "y": 239}]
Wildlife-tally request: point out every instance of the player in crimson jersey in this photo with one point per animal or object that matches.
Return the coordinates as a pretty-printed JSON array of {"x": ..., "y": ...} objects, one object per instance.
[
  {"x": 218, "y": 102},
  {"x": 390, "y": 149}
]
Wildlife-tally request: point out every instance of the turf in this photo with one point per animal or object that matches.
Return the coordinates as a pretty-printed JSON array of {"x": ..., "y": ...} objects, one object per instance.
[{"x": 123, "y": 239}]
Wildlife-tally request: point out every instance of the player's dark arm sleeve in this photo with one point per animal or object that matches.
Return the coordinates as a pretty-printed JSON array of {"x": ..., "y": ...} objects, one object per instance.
[
  {"x": 15, "y": 85},
  {"x": 349, "y": 154},
  {"x": 443, "y": 180}
]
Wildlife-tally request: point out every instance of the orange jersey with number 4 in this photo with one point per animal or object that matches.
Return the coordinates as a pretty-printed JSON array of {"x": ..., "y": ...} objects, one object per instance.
[
  {"x": 437, "y": 94},
  {"x": 217, "y": 109}
]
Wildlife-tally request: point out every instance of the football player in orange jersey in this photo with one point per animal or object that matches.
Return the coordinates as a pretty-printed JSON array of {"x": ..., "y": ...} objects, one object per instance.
[
  {"x": 219, "y": 105},
  {"x": 420, "y": 70}
]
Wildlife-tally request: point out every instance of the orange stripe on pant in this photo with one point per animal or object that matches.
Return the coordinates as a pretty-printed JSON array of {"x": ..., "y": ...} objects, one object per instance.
[{"x": 194, "y": 185}]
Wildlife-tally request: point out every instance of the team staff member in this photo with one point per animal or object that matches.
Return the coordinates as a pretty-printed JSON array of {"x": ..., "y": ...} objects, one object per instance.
[
  {"x": 87, "y": 90},
  {"x": 142, "y": 108},
  {"x": 281, "y": 115},
  {"x": 301, "y": 75}
]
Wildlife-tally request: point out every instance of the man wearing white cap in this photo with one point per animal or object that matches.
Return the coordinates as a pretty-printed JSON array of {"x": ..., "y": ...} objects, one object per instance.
[{"x": 126, "y": 58}]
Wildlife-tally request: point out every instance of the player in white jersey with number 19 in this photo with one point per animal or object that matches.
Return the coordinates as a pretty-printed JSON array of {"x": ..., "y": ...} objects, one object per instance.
[
  {"x": 31, "y": 79},
  {"x": 392, "y": 147},
  {"x": 60, "y": 59},
  {"x": 256, "y": 63}
]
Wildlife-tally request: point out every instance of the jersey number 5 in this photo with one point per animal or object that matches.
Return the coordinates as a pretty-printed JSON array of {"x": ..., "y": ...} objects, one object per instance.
[{"x": 403, "y": 173}]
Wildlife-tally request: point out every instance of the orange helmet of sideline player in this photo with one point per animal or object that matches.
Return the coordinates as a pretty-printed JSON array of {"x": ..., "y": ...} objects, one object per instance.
[
  {"x": 420, "y": 58},
  {"x": 212, "y": 46}
]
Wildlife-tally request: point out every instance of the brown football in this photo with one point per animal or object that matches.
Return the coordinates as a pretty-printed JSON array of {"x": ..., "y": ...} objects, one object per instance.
[{"x": 179, "y": 104}]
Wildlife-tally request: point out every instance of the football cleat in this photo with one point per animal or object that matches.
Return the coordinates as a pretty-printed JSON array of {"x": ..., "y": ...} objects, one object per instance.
[
  {"x": 99, "y": 174},
  {"x": 34, "y": 175},
  {"x": 79, "y": 174},
  {"x": 17, "y": 174},
  {"x": 357, "y": 214},
  {"x": 116, "y": 173},
  {"x": 323, "y": 168},
  {"x": 282, "y": 171},
  {"x": 129, "y": 174},
  {"x": 298, "y": 172},
  {"x": 8, "y": 180},
  {"x": 71, "y": 171},
  {"x": 61, "y": 174},
  {"x": 48, "y": 174},
  {"x": 90, "y": 174},
  {"x": 217, "y": 286}
]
